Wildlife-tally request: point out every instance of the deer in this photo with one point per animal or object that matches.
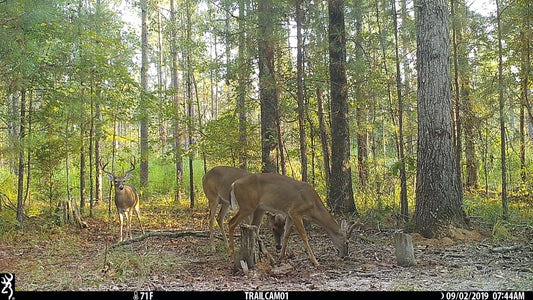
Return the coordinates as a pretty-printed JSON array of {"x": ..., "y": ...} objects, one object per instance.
[
  {"x": 126, "y": 199},
  {"x": 255, "y": 194},
  {"x": 216, "y": 184},
  {"x": 277, "y": 224}
]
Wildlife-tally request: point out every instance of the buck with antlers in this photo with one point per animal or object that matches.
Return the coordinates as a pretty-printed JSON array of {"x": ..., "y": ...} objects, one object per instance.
[
  {"x": 217, "y": 185},
  {"x": 126, "y": 198},
  {"x": 257, "y": 193}
]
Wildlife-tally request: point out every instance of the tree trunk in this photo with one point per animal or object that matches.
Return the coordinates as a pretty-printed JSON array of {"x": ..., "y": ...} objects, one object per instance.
[
  {"x": 268, "y": 93},
  {"x": 67, "y": 213},
  {"x": 144, "y": 99},
  {"x": 322, "y": 131},
  {"x": 300, "y": 90},
  {"x": 91, "y": 149},
  {"x": 174, "y": 82},
  {"x": 82, "y": 168},
  {"x": 525, "y": 66},
  {"x": 190, "y": 108},
  {"x": 438, "y": 191},
  {"x": 457, "y": 125},
  {"x": 361, "y": 111},
  {"x": 20, "y": 173},
  {"x": 340, "y": 196},
  {"x": 501, "y": 100},
  {"x": 404, "y": 204},
  {"x": 98, "y": 155},
  {"x": 243, "y": 75},
  {"x": 469, "y": 124}
]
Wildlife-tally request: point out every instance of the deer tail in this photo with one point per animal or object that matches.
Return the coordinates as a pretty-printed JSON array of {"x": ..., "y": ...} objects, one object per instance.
[{"x": 233, "y": 201}]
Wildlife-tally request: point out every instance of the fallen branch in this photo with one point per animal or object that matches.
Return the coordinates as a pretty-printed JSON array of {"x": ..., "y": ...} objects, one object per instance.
[
  {"x": 173, "y": 234},
  {"x": 503, "y": 249}
]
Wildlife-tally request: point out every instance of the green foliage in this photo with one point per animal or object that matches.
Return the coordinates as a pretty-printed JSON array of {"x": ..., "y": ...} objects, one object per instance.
[
  {"x": 78, "y": 67},
  {"x": 220, "y": 141},
  {"x": 500, "y": 232}
]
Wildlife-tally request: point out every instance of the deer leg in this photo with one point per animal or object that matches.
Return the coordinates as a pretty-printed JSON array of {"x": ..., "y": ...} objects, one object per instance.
[
  {"x": 299, "y": 224},
  {"x": 286, "y": 234},
  {"x": 128, "y": 222},
  {"x": 138, "y": 214},
  {"x": 121, "y": 218},
  {"x": 212, "y": 212},
  {"x": 258, "y": 217},
  {"x": 224, "y": 208}
]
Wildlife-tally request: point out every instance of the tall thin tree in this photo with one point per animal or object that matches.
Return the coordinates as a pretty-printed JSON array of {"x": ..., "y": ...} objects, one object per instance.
[
  {"x": 404, "y": 204},
  {"x": 501, "y": 101},
  {"x": 300, "y": 89},
  {"x": 177, "y": 135},
  {"x": 340, "y": 196},
  {"x": 268, "y": 93},
  {"x": 144, "y": 92}
]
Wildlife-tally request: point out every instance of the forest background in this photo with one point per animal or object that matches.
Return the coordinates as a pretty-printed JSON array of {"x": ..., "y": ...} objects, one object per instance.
[{"x": 174, "y": 87}]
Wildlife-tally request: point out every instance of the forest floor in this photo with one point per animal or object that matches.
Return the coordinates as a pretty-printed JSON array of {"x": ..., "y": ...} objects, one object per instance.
[{"x": 45, "y": 257}]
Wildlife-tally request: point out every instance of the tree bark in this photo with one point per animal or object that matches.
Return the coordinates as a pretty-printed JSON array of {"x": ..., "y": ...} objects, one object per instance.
[
  {"x": 268, "y": 93},
  {"x": 438, "y": 190},
  {"x": 323, "y": 136},
  {"x": 340, "y": 196},
  {"x": 525, "y": 37},
  {"x": 361, "y": 111},
  {"x": 404, "y": 204},
  {"x": 144, "y": 90},
  {"x": 243, "y": 76},
  {"x": 300, "y": 90},
  {"x": 190, "y": 109},
  {"x": 20, "y": 172},
  {"x": 174, "y": 82},
  {"x": 98, "y": 155},
  {"x": 501, "y": 100}
]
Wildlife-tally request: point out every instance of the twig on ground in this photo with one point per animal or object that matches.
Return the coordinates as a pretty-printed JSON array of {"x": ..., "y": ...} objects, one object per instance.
[{"x": 170, "y": 234}]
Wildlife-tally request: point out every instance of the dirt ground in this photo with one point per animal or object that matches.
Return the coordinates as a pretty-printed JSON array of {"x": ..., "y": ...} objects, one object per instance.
[{"x": 55, "y": 259}]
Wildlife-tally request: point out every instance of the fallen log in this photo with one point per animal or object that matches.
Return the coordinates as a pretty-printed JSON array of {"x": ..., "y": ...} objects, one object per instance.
[
  {"x": 503, "y": 249},
  {"x": 169, "y": 234}
]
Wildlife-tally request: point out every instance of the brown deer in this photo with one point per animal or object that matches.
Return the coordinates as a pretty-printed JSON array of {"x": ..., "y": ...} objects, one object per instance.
[
  {"x": 257, "y": 193},
  {"x": 217, "y": 184},
  {"x": 277, "y": 223},
  {"x": 126, "y": 199}
]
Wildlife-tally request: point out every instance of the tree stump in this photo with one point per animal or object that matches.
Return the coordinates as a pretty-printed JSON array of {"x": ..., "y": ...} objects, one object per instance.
[
  {"x": 404, "y": 249},
  {"x": 247, "y": 256},
  {"x": 67, "y": 212}
]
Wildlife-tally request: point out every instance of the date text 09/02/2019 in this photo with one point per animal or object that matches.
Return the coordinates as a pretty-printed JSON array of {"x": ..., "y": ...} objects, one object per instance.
[
  {"x": 266, "y": 295},
  {"x": 483, "y": 295}
]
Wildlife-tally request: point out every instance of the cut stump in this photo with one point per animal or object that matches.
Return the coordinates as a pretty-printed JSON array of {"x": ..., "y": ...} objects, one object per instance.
[
  {"x": 405, "y": 256},
  {"x": 247, "y": 256}
]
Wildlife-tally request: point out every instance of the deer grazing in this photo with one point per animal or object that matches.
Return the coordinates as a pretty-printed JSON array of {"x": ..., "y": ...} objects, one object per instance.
[
  {"x": 258, "y": 193},
  {"x": 126, "y": 199},
  {"x": 277, "y": 223},
  {"x": 217, "y": 185}
]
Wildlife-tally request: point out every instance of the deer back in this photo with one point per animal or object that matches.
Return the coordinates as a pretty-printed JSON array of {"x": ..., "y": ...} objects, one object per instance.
[{"x": 218, "y": 180}]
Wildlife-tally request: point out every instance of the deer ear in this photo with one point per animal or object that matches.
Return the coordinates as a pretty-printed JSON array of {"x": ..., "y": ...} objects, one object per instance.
[
  {"x": 127, "y": 176},
  {"x": 110, "y": 177}
]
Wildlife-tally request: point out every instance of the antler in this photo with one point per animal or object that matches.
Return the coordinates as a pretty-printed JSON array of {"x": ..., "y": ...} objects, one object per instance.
[
  {"x": 103, "y": 168},
  {"x": 132, "y": 168},
  {"x": 348, "y": 227}
]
